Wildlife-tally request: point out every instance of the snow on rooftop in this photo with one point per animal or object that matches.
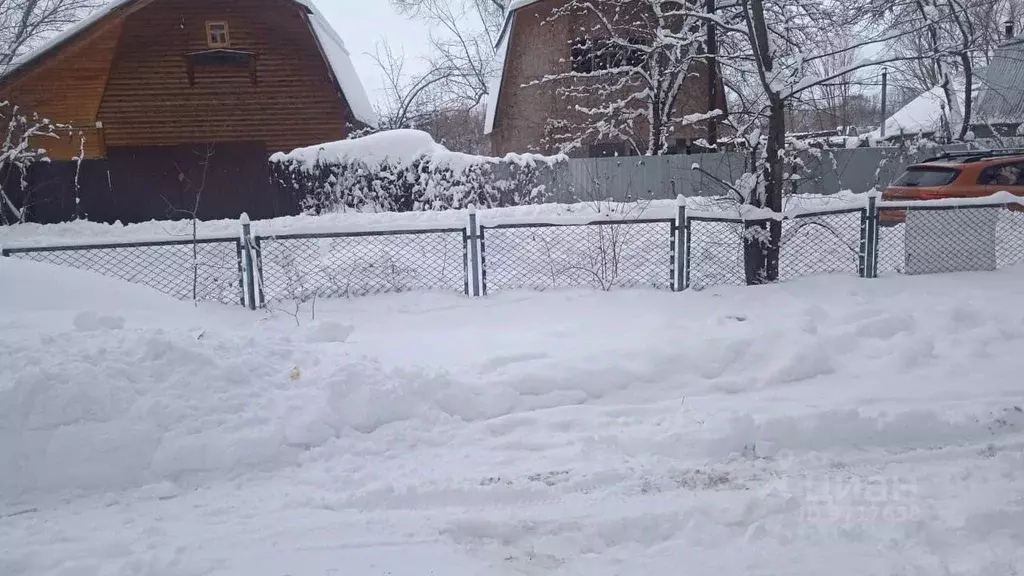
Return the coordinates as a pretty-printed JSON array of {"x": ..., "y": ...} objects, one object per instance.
[
  {"x": 921, "y": 115},
  {"x": 501, "y": 59},
  {"x": 341, "y": 63},
  {"x": 333, "y": 46},
  {"x": 494, "y": 89},
  {"x": 517, "y": 4}
]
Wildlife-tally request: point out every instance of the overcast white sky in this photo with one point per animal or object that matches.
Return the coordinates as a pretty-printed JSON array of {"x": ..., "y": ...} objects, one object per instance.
[{"x": 362, "y": 23}]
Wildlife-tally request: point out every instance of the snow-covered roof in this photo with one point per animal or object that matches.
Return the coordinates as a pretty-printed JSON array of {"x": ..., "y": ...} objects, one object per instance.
[
  {"x": 501, "y": 56},
  {"x": 517, "y": 4},
  {"x": 494, "y": 90},
  {"x": 341, "y": 63},
  {"x": 333, "y": 47},
  {"x": 922, "y": 115}
]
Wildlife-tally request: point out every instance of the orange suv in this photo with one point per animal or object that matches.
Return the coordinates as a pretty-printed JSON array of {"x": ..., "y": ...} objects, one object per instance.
[{"x": 957, "y": 175}]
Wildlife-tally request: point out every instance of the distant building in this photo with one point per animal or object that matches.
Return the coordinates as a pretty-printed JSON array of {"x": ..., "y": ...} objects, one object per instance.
[
  {"x": 169, "y": 97},
  {"x": 531, "y": 47},
  {"x": 1000, "y": 110}
]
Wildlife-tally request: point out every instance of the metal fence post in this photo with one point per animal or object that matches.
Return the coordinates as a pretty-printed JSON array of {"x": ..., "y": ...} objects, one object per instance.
[
  {"x": 865, "y": 232},
  {"x": 871, "y": 256},
  {"x": 474, "y": 250},
  {"x": 680, "y": 256},
  {"x": 248, "y": 276}
]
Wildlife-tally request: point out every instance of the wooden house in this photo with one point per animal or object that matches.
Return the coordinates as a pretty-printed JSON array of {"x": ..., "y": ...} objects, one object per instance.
[
  {"x": 177, "y": 100},
  {"x": 522, "y": 111}
]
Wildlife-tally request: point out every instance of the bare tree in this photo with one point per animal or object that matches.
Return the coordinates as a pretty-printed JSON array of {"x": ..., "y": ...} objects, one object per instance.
[
  {"x": 25, "y": 23},
  {"x": 422, "y": 101},
  {"x": 463, "y": 36},
  {"x": 193, "y": 187},
  {"x": 22, "y": 146},
  {"x": 957, "y": 35},
  {"x": 780, "y": 43},
  {"x": 630, "y": 62},
  {"x": 407, "y": 99}
]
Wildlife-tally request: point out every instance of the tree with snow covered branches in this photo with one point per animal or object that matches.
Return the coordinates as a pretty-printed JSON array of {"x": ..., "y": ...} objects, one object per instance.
[
  {"x": 22, "y": 134},
  {"x": 630, "y": 64},
  {"x": 780, "y": 43},
  {"x": 24, "y": 23}
]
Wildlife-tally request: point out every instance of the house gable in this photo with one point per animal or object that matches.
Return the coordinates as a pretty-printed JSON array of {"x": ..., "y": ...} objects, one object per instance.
[
  {"x": 532, "y": 45},
  {"x": 168, "y": 85},
  {"x": 125, "y": 67}
]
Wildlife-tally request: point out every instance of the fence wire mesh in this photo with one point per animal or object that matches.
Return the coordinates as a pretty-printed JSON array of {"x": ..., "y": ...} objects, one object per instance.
[
  {"x": 716, "y": 253},
  {"x": 812, "y": 244},
  {"x": 637, "y": 253},
  {"x": 202, "y": 270},
  {"x": 827, "y": 243},
  {"x": 937, "y": 240},
  {"x": 342, "y": 265},
  {"x": 603, "y": 256}
]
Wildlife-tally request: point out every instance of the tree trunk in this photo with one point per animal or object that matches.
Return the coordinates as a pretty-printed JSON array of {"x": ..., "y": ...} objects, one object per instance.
[
  {"x": 965, "y": 125},
  {"x": 657, "y": 145},
  {"x": 762, "y": 239},
  {"x": 773, "y": 185},
  {"x": 712, "y": 64}
]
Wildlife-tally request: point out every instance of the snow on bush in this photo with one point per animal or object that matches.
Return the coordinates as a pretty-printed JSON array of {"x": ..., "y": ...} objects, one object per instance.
[{"x": 405, "y": 170}]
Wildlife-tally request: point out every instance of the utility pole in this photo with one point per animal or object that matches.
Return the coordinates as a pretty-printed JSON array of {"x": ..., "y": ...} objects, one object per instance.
[
  {"x": 712, "y": 73},
  {"x": 885, "y": 85}
]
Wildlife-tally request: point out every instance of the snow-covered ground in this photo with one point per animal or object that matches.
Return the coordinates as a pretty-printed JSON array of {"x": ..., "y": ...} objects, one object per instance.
[
  {"x": 84, "y": 232},
  {"x": 823, "y": 426}
]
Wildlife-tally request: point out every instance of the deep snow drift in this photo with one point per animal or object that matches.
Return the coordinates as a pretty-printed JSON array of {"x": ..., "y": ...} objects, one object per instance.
[{"x": 828, "y": 425}]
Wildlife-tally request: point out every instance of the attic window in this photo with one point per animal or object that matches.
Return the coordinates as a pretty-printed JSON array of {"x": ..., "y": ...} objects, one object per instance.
[{"x": 217, "y": 35}]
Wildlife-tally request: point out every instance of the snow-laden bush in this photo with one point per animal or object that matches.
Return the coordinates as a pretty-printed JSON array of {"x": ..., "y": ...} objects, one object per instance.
[{"x": 405, "y": 170}]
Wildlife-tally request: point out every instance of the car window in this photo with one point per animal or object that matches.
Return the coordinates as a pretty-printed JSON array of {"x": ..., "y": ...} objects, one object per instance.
[
  {"x": 927, "y": 176},
  {"x": 1010, "y": 174}
]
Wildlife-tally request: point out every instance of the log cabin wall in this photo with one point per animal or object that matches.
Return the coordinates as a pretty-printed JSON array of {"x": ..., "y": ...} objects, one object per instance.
[
  {"x": 68, "y": 88},
  {"x": 150, "y": 101}
]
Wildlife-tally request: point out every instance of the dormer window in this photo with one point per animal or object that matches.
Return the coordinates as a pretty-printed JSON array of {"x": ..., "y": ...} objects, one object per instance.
[{"x": 217, "y": 35}]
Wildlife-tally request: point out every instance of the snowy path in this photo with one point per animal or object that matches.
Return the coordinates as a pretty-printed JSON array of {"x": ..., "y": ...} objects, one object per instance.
[{"x": 830, "y": 425}]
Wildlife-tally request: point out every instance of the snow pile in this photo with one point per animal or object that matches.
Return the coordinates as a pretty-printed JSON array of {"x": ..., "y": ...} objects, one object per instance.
[
  {"x": 399, "y": 148},
  {"x": 405, "y": 170},
  {"x": 395, "y": 146},
  {"x": 735, "y": 430}
]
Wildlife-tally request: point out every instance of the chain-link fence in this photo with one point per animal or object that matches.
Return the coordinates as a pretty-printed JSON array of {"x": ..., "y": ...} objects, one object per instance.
[
  {"x": 715, "y": 250},
  {"x": 827, "y": 242},
  {"x": 652, "y": 253},
  {"x": 304, "y": 266},
  {"x": 602, "y": 255},
  {"x": 203, "y": 269},
  {"x": 930, "y": 240}
]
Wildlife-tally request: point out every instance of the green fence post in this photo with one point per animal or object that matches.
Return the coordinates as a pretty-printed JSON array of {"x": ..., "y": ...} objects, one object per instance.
[
  {"x": 474, "y": 251},
  {"x": 248, "y": 274},
  {"x": 871, "y": 256},
  {"x": 680, "y": 256}
]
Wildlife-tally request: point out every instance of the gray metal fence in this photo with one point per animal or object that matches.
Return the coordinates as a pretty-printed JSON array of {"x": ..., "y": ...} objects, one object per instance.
[
  {"x": 604, "y": 255},
  {"x": 187, "y": 269},
  {"x": 695, "y": 250},
  {"x": 333, "y": 265},
  {"x": 821, "y": 242}
]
